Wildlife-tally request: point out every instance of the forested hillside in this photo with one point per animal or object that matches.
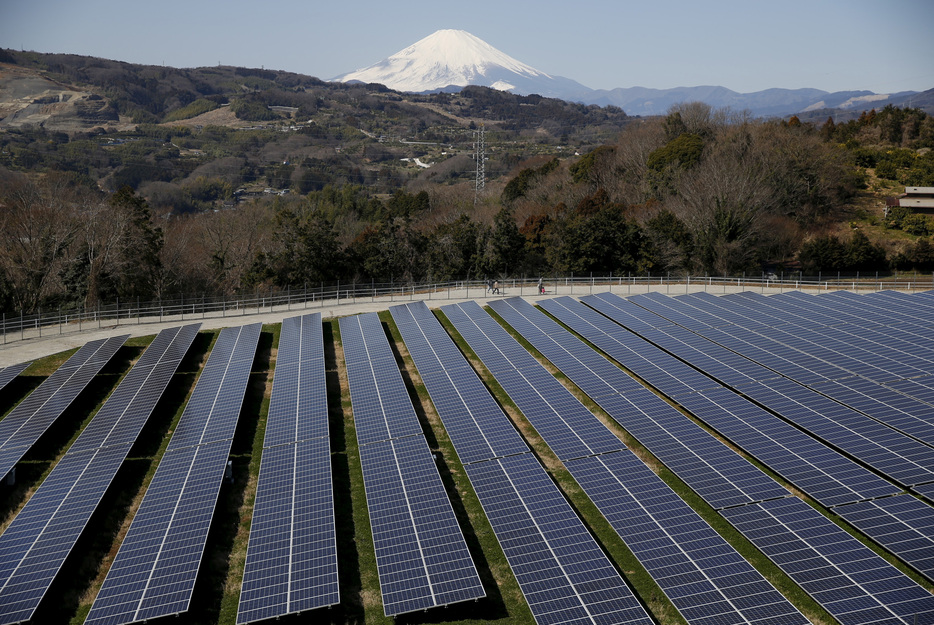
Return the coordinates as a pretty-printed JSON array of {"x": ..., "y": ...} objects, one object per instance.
[{"x": 223, "y": 180}]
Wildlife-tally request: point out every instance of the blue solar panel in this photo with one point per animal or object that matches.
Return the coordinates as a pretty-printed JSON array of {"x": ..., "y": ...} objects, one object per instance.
[
  {"x": 154, "y": 571},
  {"x": 40, "y": 537},
  {"x": 904, "y": 525},
  {"x": 844, "y": 576},
  {"x": 824, "y": 474},
  {"x": 421, "y": 555},
  {"x": 567, "y": 426},
  {"x": 7, "y": 374},
  {"x": 904, "y": 460},
  {"x": 706, "y": 579},
  {"x": 717, "y": 473},
  {"x": 291, "y": 562},
  {"x": 563, "y": 573},
  {"x": 925, "y": 490},
  {"x": 477, "y": 426},
  {"x": 29, "y": 420}
]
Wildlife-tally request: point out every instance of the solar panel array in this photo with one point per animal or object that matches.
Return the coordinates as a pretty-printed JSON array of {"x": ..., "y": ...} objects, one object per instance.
[
  {"x": 846, "y": 577},
  {"x": 562, "y": 572},
  {"x": 41, "y": 536},
  {"x": 723, "y": 403},
  {"x": 291, "y": 560},
  {"x": 808, "y": 464},
  {"x": 840, "y": 412},
  {"x": 702, "y": 574},
  {"x": 29, "y": 420},
  {"x": 155, "y": 569},
  {"x": 714, "y": 471},
  {"x": 421, "y": 555}
]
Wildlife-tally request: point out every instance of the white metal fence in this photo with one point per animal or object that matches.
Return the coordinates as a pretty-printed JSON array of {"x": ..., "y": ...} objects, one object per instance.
[{"x": 15, "y": 327}]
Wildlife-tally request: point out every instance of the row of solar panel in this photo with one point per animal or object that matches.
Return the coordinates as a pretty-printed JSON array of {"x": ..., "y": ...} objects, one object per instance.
[
  {"x": 545, "y": 340},
  {"x": 900, "y": 532}
]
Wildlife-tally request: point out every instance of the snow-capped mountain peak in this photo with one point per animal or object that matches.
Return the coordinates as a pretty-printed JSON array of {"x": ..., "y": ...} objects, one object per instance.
[{"x": 456, "y": 58}]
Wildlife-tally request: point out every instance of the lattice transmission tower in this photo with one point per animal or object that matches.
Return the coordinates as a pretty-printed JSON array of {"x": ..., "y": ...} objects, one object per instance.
[{"x": 480, "y": 156}]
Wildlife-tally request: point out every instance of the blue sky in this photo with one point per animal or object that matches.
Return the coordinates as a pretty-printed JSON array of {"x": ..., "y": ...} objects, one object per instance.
[{"x": 883, "y": 46}]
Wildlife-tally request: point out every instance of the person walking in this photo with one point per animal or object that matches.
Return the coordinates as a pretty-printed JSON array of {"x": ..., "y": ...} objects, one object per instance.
[
  {"x": 541, "y": 287},
  {"x": 496, "y": 287}
]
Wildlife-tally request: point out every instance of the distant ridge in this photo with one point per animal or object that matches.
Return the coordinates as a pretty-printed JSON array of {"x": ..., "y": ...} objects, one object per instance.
[{"x": 448, "y": 60}]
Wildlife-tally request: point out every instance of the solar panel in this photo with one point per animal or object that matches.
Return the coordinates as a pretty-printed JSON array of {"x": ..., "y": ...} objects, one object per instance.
[
  {"x": 477, "y": 426},
  {"x": 563, "y": 573},
  {"x": 714, "y": 471},
  {"x": 706, "y": 579},
  {"x": 421, "y": 556},
  {"x": 291, "y": 561},
  {"x": 848, "y": 579},
  {"x": 155, "y": 569},
  {"x": 7, "y": 374},
  {"x": 36, "y": 543},
  {"x": 627, "y": 492},
  {"x": 904, "y": 525},
  {"x": 893, "y": 454},
  {"x": 29, "y": 420},
  {"x": 824, "y": 474},
  {"x": 925, "y": 490},
  {"x": 567, "y": 426}
]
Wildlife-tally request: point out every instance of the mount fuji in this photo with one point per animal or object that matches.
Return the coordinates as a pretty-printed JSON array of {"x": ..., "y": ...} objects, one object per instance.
[{"x": 449, "y": 59}]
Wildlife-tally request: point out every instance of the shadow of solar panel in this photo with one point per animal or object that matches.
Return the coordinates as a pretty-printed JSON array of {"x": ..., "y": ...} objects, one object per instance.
[{"x": 844, "y": 576}]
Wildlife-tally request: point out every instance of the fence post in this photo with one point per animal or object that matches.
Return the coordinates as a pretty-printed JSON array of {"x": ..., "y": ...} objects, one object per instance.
[{"x": 4, "y": 328}]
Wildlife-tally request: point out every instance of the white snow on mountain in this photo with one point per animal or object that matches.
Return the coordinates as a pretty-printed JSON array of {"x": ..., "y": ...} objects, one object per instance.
[{"x": 456, "y": 58}]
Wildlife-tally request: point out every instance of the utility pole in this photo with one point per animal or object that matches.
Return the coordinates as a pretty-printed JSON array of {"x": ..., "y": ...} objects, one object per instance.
[{"x": 480, "y": 156}]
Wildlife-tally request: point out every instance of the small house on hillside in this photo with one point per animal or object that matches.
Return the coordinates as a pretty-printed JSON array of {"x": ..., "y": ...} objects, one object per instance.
[{"x": 919, "y": 199}]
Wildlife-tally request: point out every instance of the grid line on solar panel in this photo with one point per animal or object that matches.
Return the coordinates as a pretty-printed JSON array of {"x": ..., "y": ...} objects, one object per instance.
[
  {"x": 563, "y": 573},
  {"x": 30, "y": 419},
  {"x": 291, "y": 562},
  {"x": 702, "y": 574},
  {"x": 718, "y": 474},
  {"x": 154, "y": 571},
  {"x": 848, "y": 579},
  {"x": 474, "y": 421},
  {"x": 824, "y": 474},
  {"x": 902, "y": 524},
  {"x": 559, "y": 587},
  {"x": 421, "y": 555},
  {"x": 567, "y": 426}
]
